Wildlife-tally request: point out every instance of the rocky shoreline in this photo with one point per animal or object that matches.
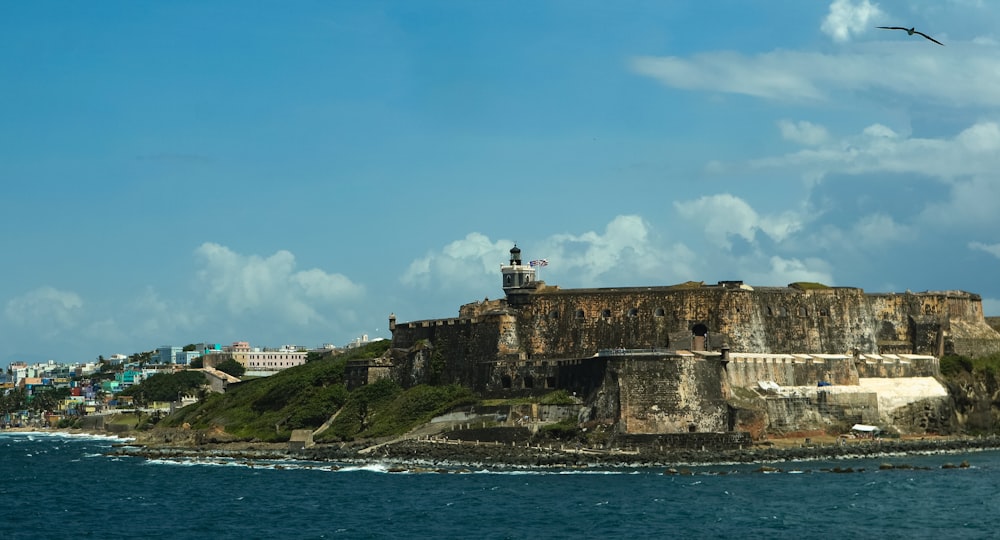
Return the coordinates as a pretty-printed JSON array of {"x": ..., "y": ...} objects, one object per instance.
[
  {"x": 423, "y": 453},
  {"x": 419, "y": 454}
]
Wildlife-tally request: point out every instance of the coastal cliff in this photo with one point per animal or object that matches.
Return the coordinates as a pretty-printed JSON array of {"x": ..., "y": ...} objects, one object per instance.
[{"x": 976, "y": 397}]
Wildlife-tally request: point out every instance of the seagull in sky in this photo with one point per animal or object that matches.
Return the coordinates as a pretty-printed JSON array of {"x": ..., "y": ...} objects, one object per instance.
[{"x": 911, "y": 31}]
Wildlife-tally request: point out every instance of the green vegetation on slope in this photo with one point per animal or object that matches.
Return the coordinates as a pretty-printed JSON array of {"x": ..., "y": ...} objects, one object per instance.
[
  {"x": 555, "y": 397},
  {"x": 232, "y": 367},
  {"x": 974, "y": 384},
  {"x": 304, "y": 397},
  {"x": 165, "y": 387},
  {"x": 383, "y": 409},
  {"x": 953, "y": 365}
]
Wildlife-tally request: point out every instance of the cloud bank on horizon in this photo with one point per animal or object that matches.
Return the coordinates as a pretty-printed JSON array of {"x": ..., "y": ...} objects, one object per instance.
[{"x": 310, "y": 179}]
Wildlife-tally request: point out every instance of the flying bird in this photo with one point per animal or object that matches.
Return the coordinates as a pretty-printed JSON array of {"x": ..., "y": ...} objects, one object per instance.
[{"x": 911, "y": 31}]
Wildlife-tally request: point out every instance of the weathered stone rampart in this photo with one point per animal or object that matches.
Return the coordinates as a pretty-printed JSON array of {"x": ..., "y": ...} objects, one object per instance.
[
  {"x": 667, "y": 394},
  {"x": 446, "y": 351},
  {"x": 747, "y": 369},
  {"x": 543, "y": 322},
  {"x": 700, "y": 342},
  {"x": 576, "y": 322}
]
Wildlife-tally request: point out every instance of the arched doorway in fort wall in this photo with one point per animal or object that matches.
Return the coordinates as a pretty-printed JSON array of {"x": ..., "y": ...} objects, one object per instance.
[{"x": 699, "y": 337}]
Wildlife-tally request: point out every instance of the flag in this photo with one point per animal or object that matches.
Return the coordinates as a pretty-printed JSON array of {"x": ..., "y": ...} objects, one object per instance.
[{"x": 539, "y": 262}]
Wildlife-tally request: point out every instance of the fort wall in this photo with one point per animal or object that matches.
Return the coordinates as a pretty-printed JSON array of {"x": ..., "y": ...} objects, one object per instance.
[
  {"x": 577, "y": 322},
  {"x": 747, "y": 369},
  {"x": 664, "y": 394},
  {"x": 447, "y": 351},
  {"x": 551, "y": 323},
  {"x": 540, "y": 338}
]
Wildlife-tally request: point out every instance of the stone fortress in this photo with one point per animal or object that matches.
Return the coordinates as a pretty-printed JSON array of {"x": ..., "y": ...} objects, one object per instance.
[{"x": 706, "y": 359}]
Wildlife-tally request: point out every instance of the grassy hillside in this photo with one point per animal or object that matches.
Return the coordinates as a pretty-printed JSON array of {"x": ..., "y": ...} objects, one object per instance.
[
  {"x": 269, "y": 408},
  {"x": 304, "y": 397},
  {"x": 383, "y": 409}
]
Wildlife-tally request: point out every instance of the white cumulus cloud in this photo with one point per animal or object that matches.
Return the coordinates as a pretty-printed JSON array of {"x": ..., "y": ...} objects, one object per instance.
[
  {"x": 974, "y": 151},
  {"x": 623, "y": 251},
  {"x": 47, "y": 310},
  {"x": 769, "y": 76},
  {"x": 847, "y": 18},
  {"x": 963, "y": 74},
  {"x": 271, "y": 285},
  {"x": 804, "y": 133},
  {"x": 724, "y": 215},
  {"x": 783, "y": 271},
  {"x": 472, "y": 262},
  {"x": 880, "y": 229},
  {"x": 992, "y": 249}
]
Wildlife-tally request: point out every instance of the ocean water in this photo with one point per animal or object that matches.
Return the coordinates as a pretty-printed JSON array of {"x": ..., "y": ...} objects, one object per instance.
[{"x": 60, "y": 486}]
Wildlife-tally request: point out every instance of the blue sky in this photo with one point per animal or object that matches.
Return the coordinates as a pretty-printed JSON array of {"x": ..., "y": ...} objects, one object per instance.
[{"x": 293, "y": 172}]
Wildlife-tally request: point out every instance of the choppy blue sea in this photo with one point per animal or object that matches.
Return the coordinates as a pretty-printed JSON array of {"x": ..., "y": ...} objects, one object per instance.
[{"x": 59, "y": 486}]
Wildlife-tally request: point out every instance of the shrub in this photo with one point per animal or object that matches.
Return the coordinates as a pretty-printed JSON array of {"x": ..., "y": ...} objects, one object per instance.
[
  {"x": 232, "y": 367},
  {"x": 954, "y": 364},
  {"x": 558, "y": 397},
  {"x": 564, "y": 429}
]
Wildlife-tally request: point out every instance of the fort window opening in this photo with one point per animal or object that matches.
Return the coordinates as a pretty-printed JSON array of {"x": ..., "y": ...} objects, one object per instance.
[
  {"x": 505, "y": 382},
  {"x": 823, "y": 312},
  {"x": 659, "y": 312},
  {"x": 770, "y": 312},
  {"x": 606, "y": 313},
  {"x": 783, "y": 311},
  {"x": 529, "y": 382},
  {"x": 579, "y": 314},
  {"x": 554, "y": 314},
  {"x": 633, "y": 312},
  {"x": 550, "y": 382},
  {"x": 692, "y": 428},
  {"x": 803, "y": 312}
]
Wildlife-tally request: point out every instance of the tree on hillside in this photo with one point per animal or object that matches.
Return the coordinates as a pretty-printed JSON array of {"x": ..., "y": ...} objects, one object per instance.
[
  {"x": 47, "y": 399},
  {"x": 13, "y": 400},
  {"x": 313, "y": 355},
  {"x": 141, "y": 357},
  {"x": 232, "y": 367},
  {"x": 165, "y": 387},
  {"x": 189, "y": 347}
]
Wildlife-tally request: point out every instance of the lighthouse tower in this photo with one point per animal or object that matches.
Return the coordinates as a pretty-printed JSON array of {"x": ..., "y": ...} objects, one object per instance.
[{"x": 516, "y": 275}]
